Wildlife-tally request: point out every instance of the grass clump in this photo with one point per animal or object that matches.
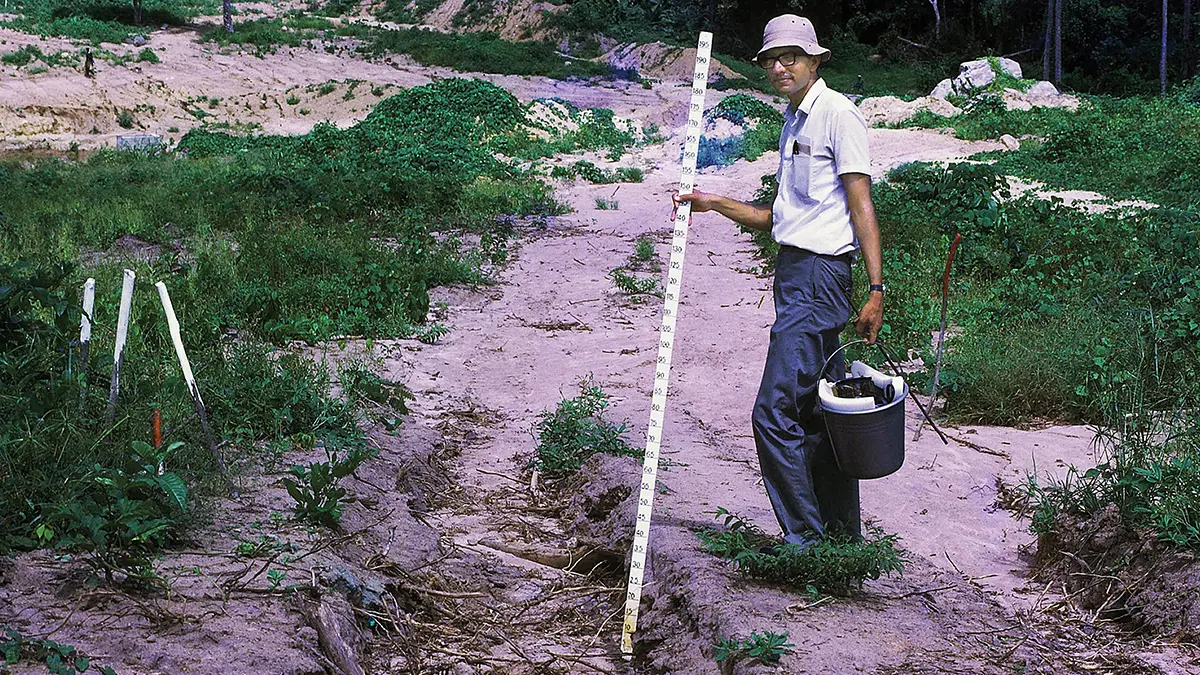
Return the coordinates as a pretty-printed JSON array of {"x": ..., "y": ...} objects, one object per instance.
[
  {"x": 262, "y": 36},
  {"x": 575, "y": 430},
  {"x": 988, "y": 117},
  {"x": 831, "y": 566}
]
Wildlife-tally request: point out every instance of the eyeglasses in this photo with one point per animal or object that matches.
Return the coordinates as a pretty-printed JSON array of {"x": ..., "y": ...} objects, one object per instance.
[{"x": 784, "y": 59}]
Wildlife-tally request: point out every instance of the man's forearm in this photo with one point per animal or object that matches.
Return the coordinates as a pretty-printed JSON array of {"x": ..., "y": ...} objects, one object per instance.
[{"x": 753, "y": 217}]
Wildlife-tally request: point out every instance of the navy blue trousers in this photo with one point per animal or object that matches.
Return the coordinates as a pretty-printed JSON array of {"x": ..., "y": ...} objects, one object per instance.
[{"x": 811, "y": 497}]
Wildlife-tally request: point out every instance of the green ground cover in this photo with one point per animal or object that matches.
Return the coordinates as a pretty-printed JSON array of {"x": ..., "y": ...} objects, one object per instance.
[
  {"x": 266, "y": 238},
  {"x": 100, "y": 21}
]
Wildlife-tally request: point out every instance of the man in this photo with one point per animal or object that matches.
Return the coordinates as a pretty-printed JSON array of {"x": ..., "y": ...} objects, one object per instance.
[{"x": 822, "y": 218}]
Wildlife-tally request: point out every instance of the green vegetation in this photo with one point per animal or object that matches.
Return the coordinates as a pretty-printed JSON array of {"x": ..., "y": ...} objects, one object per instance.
[
  {"x": 1148, "y": 467},
  {"x": 988, "y": 117},
  {"x": 480, "y": 52},
  {"x": 767, "y": 648},
  {"x": 30, "y": 53},
  {"x": 125, "y": 119},
  {"x": 832, "y": 566},
  {"x": 1055, "y": 305},
  {"x": 590, "y": 172},
  {"x": 374, "y": 216},
  {"x": 399, "y": 11},
  {"x": 265, "y": 36},
  {"x": 576, "y": 430},
  {"x": 640, "y": 275},
  {"x": 763, "y": 125},
  {"x": 59, "y": 659},
  {"x": 99, "y": 21},
  {"x": 314, "y": 486},
  {"x": 605, "y": 204},
  {"x": 1144, "y": 148},
  {"x": 147, "y": 55}
]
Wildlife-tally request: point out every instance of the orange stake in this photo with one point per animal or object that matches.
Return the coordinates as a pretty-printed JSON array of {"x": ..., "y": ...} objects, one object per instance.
[{"x": 157, "y": 421}]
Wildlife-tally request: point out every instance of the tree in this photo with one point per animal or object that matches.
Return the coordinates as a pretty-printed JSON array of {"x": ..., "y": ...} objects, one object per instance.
[
  {"x": 937, "y": 19},
  {"x": 1189, "y": 55},
  {"x": 1058, "y": 41},
  {"x": 137, "y": 12},
  {"x": 1047, "y": 58},
  {"x": 1162, "y": 54},
  {"x": 227, "y": 15}
]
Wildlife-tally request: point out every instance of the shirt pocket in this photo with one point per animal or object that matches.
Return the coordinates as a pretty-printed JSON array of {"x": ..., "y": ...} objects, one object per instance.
[{"x": 802, "y": 166}]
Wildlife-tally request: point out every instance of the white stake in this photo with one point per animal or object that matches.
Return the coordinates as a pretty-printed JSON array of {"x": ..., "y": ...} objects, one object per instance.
[
  {"x": 119, "y": 350},
  {"x": 666, "y": 343},
  {"x": 177, "y": 339},
  {"x": 85, "y": 332}
]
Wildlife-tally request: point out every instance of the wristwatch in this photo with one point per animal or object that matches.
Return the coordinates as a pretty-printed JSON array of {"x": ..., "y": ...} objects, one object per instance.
[{"x": 877, "y": 287}]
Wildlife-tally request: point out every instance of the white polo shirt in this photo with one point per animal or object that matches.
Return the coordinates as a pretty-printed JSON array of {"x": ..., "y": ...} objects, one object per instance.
[{"x": 822, "y": 139}]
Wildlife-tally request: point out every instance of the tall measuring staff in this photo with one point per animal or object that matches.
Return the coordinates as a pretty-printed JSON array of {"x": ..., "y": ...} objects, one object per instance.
[{"x": 666, "y": 343}]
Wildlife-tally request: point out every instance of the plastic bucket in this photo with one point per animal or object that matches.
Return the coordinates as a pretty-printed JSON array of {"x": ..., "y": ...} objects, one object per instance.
[{"x": 868, "y": 444}]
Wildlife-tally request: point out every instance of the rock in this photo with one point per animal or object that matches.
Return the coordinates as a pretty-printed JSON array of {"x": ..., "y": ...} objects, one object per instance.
[
  {"x": 1009, "y": 142},
  {"x": 1042, "y": 89},
  {"x": 879, "y": 110},
  {"x": 1015, "y": 100},
  {"x": 973, "y": 75},
  {"x": 139, "y": 40},
  {"x": 875, "y": 58}
]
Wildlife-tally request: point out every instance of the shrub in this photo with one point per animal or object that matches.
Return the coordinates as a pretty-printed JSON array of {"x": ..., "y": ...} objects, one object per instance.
[
  {"x": 125, "y": 119},
  {"x": 147, "y": 55},
  {"x": 576, "y": 430}
]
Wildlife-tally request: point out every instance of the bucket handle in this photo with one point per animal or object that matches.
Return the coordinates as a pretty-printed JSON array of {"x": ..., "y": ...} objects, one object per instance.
[{"x": 896, "y": 370}]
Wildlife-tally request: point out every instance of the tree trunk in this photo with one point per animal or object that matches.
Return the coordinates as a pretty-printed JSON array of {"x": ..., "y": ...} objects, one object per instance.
[
  {"x": 1162, "y": 54},
  {"x": 1058, "y": 41},
  {"x": 1047, "y": 53},
  {"x": 227, "y": 15},
  {"x": 137, "y": 12},
  {"x": 937, "y": 19},
  {"x": 1189, "y": 55}
]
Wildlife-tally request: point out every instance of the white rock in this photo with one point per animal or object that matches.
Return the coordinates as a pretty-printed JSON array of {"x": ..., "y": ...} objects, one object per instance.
[
  {"x": 1042, "y": 89},
  {"x": 1009, "y": 142},
  {"x": 943, "y": 89},
  {"x": 979, "y": 73}
]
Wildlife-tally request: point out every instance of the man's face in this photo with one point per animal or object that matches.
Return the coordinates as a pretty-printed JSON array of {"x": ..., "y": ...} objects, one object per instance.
[{"x": 789, "y": 79}]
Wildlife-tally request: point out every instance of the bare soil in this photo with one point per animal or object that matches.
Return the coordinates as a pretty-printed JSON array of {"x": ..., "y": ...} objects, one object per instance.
[{"x": 452, "y": 559}]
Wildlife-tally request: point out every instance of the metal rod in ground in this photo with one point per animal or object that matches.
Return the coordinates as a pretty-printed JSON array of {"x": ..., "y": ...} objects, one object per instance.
[
  {"x": 937, "y": 369},
  {"x": 177, "y": 339},
  {"x": 896, "y": 368},
  {"x": 85, "y": 334},
  {"x": 119, "y": 350}
]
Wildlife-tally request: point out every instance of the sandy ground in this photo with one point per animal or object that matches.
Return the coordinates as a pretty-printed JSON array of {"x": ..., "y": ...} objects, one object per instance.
[{"x": 452, "y": 555}]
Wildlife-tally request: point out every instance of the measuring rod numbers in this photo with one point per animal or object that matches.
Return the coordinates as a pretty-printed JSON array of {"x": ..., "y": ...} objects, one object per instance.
[{"x": 666, "y": 342}]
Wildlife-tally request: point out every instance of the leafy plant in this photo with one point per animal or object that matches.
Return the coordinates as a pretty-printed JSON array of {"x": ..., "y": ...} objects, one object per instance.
[
  {"x": 319, "y": 498},
  {"x": 767, "y": 648},
  {"x": 604, "y": 204},
  {"x": 835, "y": 566},
  {"x": 576, "y": 430},
  {"x": 59, "y": 659},
  {"x": 123, "y": 524},
  {"x": 147, "y": 55},
  {"x": 634, "y": 286},
  {"x": 125, "y": 119}
]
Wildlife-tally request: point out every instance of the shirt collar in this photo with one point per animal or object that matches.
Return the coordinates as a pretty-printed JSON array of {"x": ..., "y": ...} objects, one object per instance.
[{"x": 810, "y": 97}]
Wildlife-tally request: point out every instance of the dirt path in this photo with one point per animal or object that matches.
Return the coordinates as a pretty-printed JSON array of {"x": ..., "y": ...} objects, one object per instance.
[{"x": 557, "y": 318}]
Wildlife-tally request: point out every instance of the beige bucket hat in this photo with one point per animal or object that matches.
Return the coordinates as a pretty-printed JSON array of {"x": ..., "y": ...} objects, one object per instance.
[{"x": 789, "y": 30}]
